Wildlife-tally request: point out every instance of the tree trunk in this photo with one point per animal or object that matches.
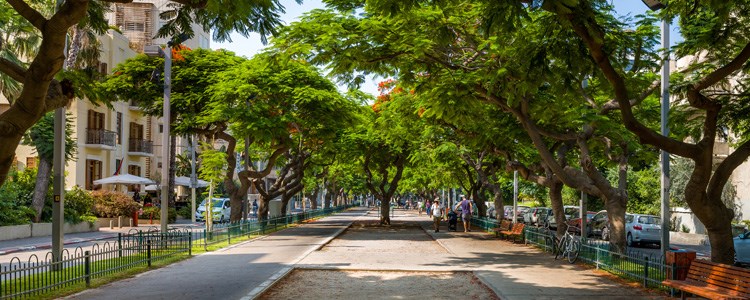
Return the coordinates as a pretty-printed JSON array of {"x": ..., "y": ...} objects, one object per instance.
[
  {"x": 616, "y": 207},
  {"x": 263, "y": 208},
  {"x": 716, "y": 217},
  {"x": 314, "y": 198},
  {"x": 555, "y": 199},
  {"x": 481, "y": 206},
  {"x": 327, "y": 200},
  {"x": 42, "y": 186},
  {"x": 284, "y": 204},
  {"x": 385, "y": 209},
  {"x": 498, "y": 204}
]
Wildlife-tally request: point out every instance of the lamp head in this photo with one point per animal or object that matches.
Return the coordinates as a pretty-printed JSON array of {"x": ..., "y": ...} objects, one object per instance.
[
  {"x": 654, "y": 4},
  {"x": 153, "y": 51}
]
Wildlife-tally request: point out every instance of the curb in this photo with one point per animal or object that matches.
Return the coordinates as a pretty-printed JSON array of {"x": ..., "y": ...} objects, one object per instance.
[
  {"x": 49, "y": 246},
  {"x": 270, "y": 282},
  {"x": 486, "y": 283}
]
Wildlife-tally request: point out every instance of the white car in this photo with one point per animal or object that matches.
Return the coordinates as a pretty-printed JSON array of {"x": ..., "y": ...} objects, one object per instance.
[
  {"x": 742, "y": 248},
  {"x": 642, "y": 229},
  {"x": 221, "y": 210}
]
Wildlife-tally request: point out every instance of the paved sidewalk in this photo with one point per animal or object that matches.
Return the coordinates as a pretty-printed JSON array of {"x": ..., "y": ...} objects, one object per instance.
[
  {"x": 235, "y": 272},
  {"x": 513, "y": 271}
]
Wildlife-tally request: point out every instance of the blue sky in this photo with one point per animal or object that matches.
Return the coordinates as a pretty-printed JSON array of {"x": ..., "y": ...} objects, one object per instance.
[{"x": 251, "y": 45}]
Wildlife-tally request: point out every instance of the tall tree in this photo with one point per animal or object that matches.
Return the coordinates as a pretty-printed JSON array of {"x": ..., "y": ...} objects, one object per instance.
[{"x": 42, "y": 92}]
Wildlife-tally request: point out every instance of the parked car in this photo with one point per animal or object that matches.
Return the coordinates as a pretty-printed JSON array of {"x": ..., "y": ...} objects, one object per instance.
[
  {"x": 491, "y": 212},
  {"x": 599, "y": 225},
  {"x": 641, "y": 229},
  {"x": 533, "y": 215},
  {"x": 575, "y": 223},
  {"x": 520, "y": 209},
  {"x": 221, "y": 210},
  {"x": 570, "y": 212},
  {"x": 742, "y": 248}
]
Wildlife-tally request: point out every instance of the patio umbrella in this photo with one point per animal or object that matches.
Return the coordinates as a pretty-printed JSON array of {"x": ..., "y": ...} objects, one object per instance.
[
  {"x": 124, "y": 179},
  {"x": 185, "y": 181}
]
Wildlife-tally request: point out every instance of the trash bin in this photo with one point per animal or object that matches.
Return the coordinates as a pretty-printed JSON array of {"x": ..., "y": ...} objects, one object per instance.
[{"x": 681, "y": 260}]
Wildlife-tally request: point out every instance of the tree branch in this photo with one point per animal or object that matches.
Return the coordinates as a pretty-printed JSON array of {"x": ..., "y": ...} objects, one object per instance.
[
  {"x": 723, "y": 72},
  {"x": 12, "y": 69},
  {"x": 27, "y": 12}
]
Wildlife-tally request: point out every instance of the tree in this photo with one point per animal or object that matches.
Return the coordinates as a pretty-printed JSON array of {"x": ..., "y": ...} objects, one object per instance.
[
  {"x": 282, "y": 105},
  {"x": 42, "y": 92},
  {"x": 714, "y": 35},
  {"x": 41, "y": 137}
]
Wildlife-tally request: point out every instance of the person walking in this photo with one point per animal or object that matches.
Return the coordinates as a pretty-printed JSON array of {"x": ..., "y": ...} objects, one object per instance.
[
  {"x": 466, "y": 209},
  {"x": 420, "y": 206},
  {"x": 429, "y": 208},
  {"x": 255, "y": 208},
  {"x": 437, "y": 213}
]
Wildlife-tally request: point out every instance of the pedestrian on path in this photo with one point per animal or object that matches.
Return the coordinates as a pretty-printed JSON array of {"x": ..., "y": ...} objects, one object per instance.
[
  {"x": 420, "y": 205},
  {"x": 437, "y": 213},
  {"x": 466, "y": 209},
  {"x": 429, "y": 208}
]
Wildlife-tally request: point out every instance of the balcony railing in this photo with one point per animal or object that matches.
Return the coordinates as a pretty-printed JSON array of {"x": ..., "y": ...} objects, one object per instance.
[
  {"x": 100, "y": 137},
  {"x": 141, "y": 146}
]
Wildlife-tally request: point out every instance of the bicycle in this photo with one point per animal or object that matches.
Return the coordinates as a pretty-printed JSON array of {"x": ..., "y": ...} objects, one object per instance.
[
  {"x": 569, "y": 246},
  {"x": 550, "y": 238}
]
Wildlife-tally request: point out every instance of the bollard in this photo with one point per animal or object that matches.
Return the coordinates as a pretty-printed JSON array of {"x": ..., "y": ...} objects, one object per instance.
[
  {"x": 87, "y": 267},
  {"x": 111, "y": 224},
  {"x": 119, "y": 222},
  {"x": 190, "y": 244},
  {"x": 131, "y": 222},
  {"x": 148, "y": 252}
]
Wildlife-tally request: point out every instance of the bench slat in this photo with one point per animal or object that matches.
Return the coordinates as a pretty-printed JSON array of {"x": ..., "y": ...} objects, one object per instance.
[
  {"x": 714, "y": 281},
  {"x": 734, "y": 281},
  {"x": 703, "y": 290},
  {"x": 731, "y": 270}
]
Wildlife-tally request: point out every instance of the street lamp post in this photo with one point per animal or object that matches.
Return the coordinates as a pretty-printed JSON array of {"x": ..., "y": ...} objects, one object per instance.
[
  {"x": 193, "y": 179},
  {"x": 157, "y": 51},
  {"x": 515, "y": 196},
  {"x": 664, "y": 155}
]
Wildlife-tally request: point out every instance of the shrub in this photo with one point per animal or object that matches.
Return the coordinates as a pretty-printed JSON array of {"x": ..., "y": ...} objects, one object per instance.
[
  {"x": 15, "y": 198},
  {"x": 153, "y": 212},
  {"x": 109, "y": 204},
  {"x": 79, "y": 206},
  {"x": 185, "y": 212}
]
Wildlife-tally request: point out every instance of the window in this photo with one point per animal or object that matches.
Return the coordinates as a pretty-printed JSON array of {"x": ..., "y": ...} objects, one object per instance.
[
  {"x": 161, "y": 128},
  {"x": 158, "y": 165},
  {"x": 119, "y": 128},
  {"x": 103, "y": 68},
  {"x": 95, "y": 120},
  {"x": 31, "y": 162},
  {"x": 136, "y": 131},
  {"x": 134, "y": 170},
  {"x": 93, "y": 172}
]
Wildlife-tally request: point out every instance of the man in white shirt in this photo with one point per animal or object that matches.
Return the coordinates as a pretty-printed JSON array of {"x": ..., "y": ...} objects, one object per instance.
[{"x": 437, "y": 213}]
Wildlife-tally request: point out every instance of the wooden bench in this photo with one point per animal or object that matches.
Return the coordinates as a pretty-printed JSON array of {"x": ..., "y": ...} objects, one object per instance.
[
  {"x": 517, "y": 231},
  {"x": 504, "y": 226},
  {"x": 713, "y": 281}
]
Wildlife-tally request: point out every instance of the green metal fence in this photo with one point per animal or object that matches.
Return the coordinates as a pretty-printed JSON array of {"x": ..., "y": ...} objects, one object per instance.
[
  {"x": 35, "y": 276},
  {"x": 649, "y": 270},
  {"x": 225, "y": 233},
  {"x": 26, "y": 279}
]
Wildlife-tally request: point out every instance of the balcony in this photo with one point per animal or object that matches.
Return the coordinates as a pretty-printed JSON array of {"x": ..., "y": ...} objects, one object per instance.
[
  {"x": 132, "y": 105},
  {"x": 140, "y": 147},
  {"x": 100, "y": 138}
]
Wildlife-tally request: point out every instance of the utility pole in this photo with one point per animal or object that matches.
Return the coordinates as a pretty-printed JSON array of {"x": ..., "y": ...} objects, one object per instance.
[
  {"x": 193, "y": 179},
  {"x": 58, "y": 180}
]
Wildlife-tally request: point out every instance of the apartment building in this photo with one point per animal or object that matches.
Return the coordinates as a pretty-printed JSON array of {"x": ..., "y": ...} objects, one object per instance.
[{"x": 121, "y": 139}]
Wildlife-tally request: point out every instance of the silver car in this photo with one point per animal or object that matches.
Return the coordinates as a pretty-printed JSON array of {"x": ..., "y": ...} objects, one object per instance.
[
  {"x": 641, "y": 229},
  {"x": 742, "y": 248}
]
